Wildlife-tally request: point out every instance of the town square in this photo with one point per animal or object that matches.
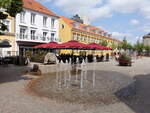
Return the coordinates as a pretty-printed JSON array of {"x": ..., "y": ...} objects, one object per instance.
[{"x": 83, "y": 56}]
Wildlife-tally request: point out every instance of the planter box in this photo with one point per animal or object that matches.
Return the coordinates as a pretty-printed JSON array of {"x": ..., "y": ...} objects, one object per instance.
[{"x": 123, "y": 62}]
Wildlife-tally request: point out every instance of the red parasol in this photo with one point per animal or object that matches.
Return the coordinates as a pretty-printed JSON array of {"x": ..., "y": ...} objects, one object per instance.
[
  {"x": 73, "y": 44},
  {"x": 50, "y": 45},
  {"x": 96, "y": 46}
]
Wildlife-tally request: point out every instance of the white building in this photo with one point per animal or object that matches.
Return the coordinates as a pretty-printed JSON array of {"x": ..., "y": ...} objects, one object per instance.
[
  {"x": 146, "y": 40},
  {"x": 35, "y": 25}
]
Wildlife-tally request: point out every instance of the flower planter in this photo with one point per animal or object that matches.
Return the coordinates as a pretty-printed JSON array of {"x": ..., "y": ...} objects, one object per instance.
[{"x": 123, "y": 62}]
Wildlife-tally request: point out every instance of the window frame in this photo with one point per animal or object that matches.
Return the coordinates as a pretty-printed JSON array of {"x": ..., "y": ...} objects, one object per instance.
[
  {"x": 22, "y": 17},
  {"x": 45, "y": 21},
  {"x": 52, "y": 23},
  {"x": 32, "y": 21}
]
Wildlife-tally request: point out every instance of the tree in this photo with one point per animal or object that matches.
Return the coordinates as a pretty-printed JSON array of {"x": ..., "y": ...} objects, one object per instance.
[
  {"x": 126, "y": 45},
  {"x": 139, "y": 47},
  {"x": 119, "y": 46},
  {"x": 113, "y": 46},
  {"x": 9, "y": 7},
  {"x": 103, "y": 43}
]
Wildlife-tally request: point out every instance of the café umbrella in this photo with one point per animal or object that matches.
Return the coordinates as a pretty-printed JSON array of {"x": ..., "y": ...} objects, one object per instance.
[
  {"x": 97, "y": 46},
  {"x": 50, "y": 45},
  {"x": 73, "y": 44}
]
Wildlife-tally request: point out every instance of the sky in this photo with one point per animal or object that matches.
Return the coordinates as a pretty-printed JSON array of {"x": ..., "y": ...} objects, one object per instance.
[{"x": 121, "y": 18}]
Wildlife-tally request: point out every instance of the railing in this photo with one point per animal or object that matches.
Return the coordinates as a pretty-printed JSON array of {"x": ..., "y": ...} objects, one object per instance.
[{"x": 32, "y": 38}]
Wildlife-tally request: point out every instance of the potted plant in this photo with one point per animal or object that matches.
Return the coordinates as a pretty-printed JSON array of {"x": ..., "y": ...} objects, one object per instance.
[{"x": 124, "y": 60}]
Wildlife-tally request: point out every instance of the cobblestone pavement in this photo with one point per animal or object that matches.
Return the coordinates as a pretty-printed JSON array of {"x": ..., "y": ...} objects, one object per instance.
[{"x": 15, "y": 99}]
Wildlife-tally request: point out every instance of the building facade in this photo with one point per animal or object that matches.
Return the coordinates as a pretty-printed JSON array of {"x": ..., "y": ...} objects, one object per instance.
[
  {"x": 72, "y": 30},
  {"x": 35, "y": 25},
  {"x": 146, "y": 40},
  {"x": 8, "y": 36}
]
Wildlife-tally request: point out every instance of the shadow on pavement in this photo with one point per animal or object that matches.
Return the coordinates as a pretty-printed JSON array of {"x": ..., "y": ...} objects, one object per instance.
[
  {"x": 11, "y": 74},
  {"x": 139, "y": 101}
]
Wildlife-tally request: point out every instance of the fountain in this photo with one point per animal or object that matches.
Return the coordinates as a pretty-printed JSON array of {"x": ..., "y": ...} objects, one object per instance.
[{"x": 84, "y": 86}]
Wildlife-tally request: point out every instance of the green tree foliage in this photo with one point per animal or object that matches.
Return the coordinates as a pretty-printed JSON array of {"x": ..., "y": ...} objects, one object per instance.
[
  {"x": 139, "y": 47},
  {"x": 126, "y": 45},
  {"x": 113, "y": 46},
  {"x": 103, "y": 43},
  {"x": 119, "y": 46},
  {"x": 12, "y": 7}
]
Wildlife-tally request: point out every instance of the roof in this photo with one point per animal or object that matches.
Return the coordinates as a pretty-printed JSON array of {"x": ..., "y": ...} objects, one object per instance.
[
  {"x": 91, "y": 28},
  {"x": 36, "y": 6}
]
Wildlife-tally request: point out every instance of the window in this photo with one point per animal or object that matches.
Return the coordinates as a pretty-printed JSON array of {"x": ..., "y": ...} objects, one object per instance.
[
  {"x": 32, "y": 18},
  {"x": 63, "y": 26},
  {"x": 52, "y": 36},
  {"x": 22, "y": 17},
  {"x": 32, "y": 34},
  {"x": 74, "y": 36},
  {"x": 53, "y": 23},
  {"x": 44, "y": 21},
  {"x": 7, "y": 23},
  {"x": 44, "y": 36},
  {"x": 22, "y": 33},
  {"x": 75, "y": 24}
]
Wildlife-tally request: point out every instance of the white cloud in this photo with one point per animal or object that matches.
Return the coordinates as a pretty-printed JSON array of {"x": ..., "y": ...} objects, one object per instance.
[
  {"x": 96, "y": 9},
  {"x": 146, "y": 28},
  {"x": 134, "y": 22},
  {"x": 118, "y": 35},
  {"x": 121, "y": 36},
  {"x": 90, "y": 8},
  {"x": 145, "y": 12},
  {"x": 102, "y": 8},
  {"x": 126, "y": 6}
]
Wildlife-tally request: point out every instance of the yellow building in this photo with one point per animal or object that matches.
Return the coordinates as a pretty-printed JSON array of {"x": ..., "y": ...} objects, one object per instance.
[
  {"x": 72, "y": 30},
  {"x": 9, "y": 36}
]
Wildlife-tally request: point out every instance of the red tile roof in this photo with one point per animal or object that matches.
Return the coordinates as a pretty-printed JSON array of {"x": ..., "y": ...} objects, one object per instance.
[
  {"x": 81, "y": 28},
  {"x": 36, "y": 6}
]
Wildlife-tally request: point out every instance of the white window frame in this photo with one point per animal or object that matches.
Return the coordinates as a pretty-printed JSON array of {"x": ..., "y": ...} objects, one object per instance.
[
  {"x": 45, "y": 21},
  {"x": 44, "y": 35},
  {"x": 22, "y": 16},
  {"x": 53, "y": 38},
  {"x": 33, "y": 37},
  {"x": 33, "y": 16},
  {"x": 8, "y": 24},
  {"x": 23, "y": 34},
  {"x": 52, "y": 23}
]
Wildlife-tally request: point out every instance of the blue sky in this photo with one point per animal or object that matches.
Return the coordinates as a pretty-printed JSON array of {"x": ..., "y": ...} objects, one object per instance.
[{"x": 122, "y": 18}]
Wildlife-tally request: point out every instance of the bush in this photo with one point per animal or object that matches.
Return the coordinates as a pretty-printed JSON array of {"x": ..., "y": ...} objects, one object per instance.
[
  {"x": 125, "y": 56},
  {"x": 36, "y": 57}
]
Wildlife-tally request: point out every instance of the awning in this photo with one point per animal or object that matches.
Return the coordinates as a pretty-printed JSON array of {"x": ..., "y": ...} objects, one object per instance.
[{"x": 4, "y": 44}]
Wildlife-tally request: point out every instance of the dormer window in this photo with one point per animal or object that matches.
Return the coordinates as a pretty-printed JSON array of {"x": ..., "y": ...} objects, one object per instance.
[
  {"x": 75, "y": 24},
  {"x": 95, "y": 31},
  {"x": 105, "y": 33},
  {"x": 86, "y": 28},
  {"x": 109, "y": 35},
  {"x": 100, "y": 32}
]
